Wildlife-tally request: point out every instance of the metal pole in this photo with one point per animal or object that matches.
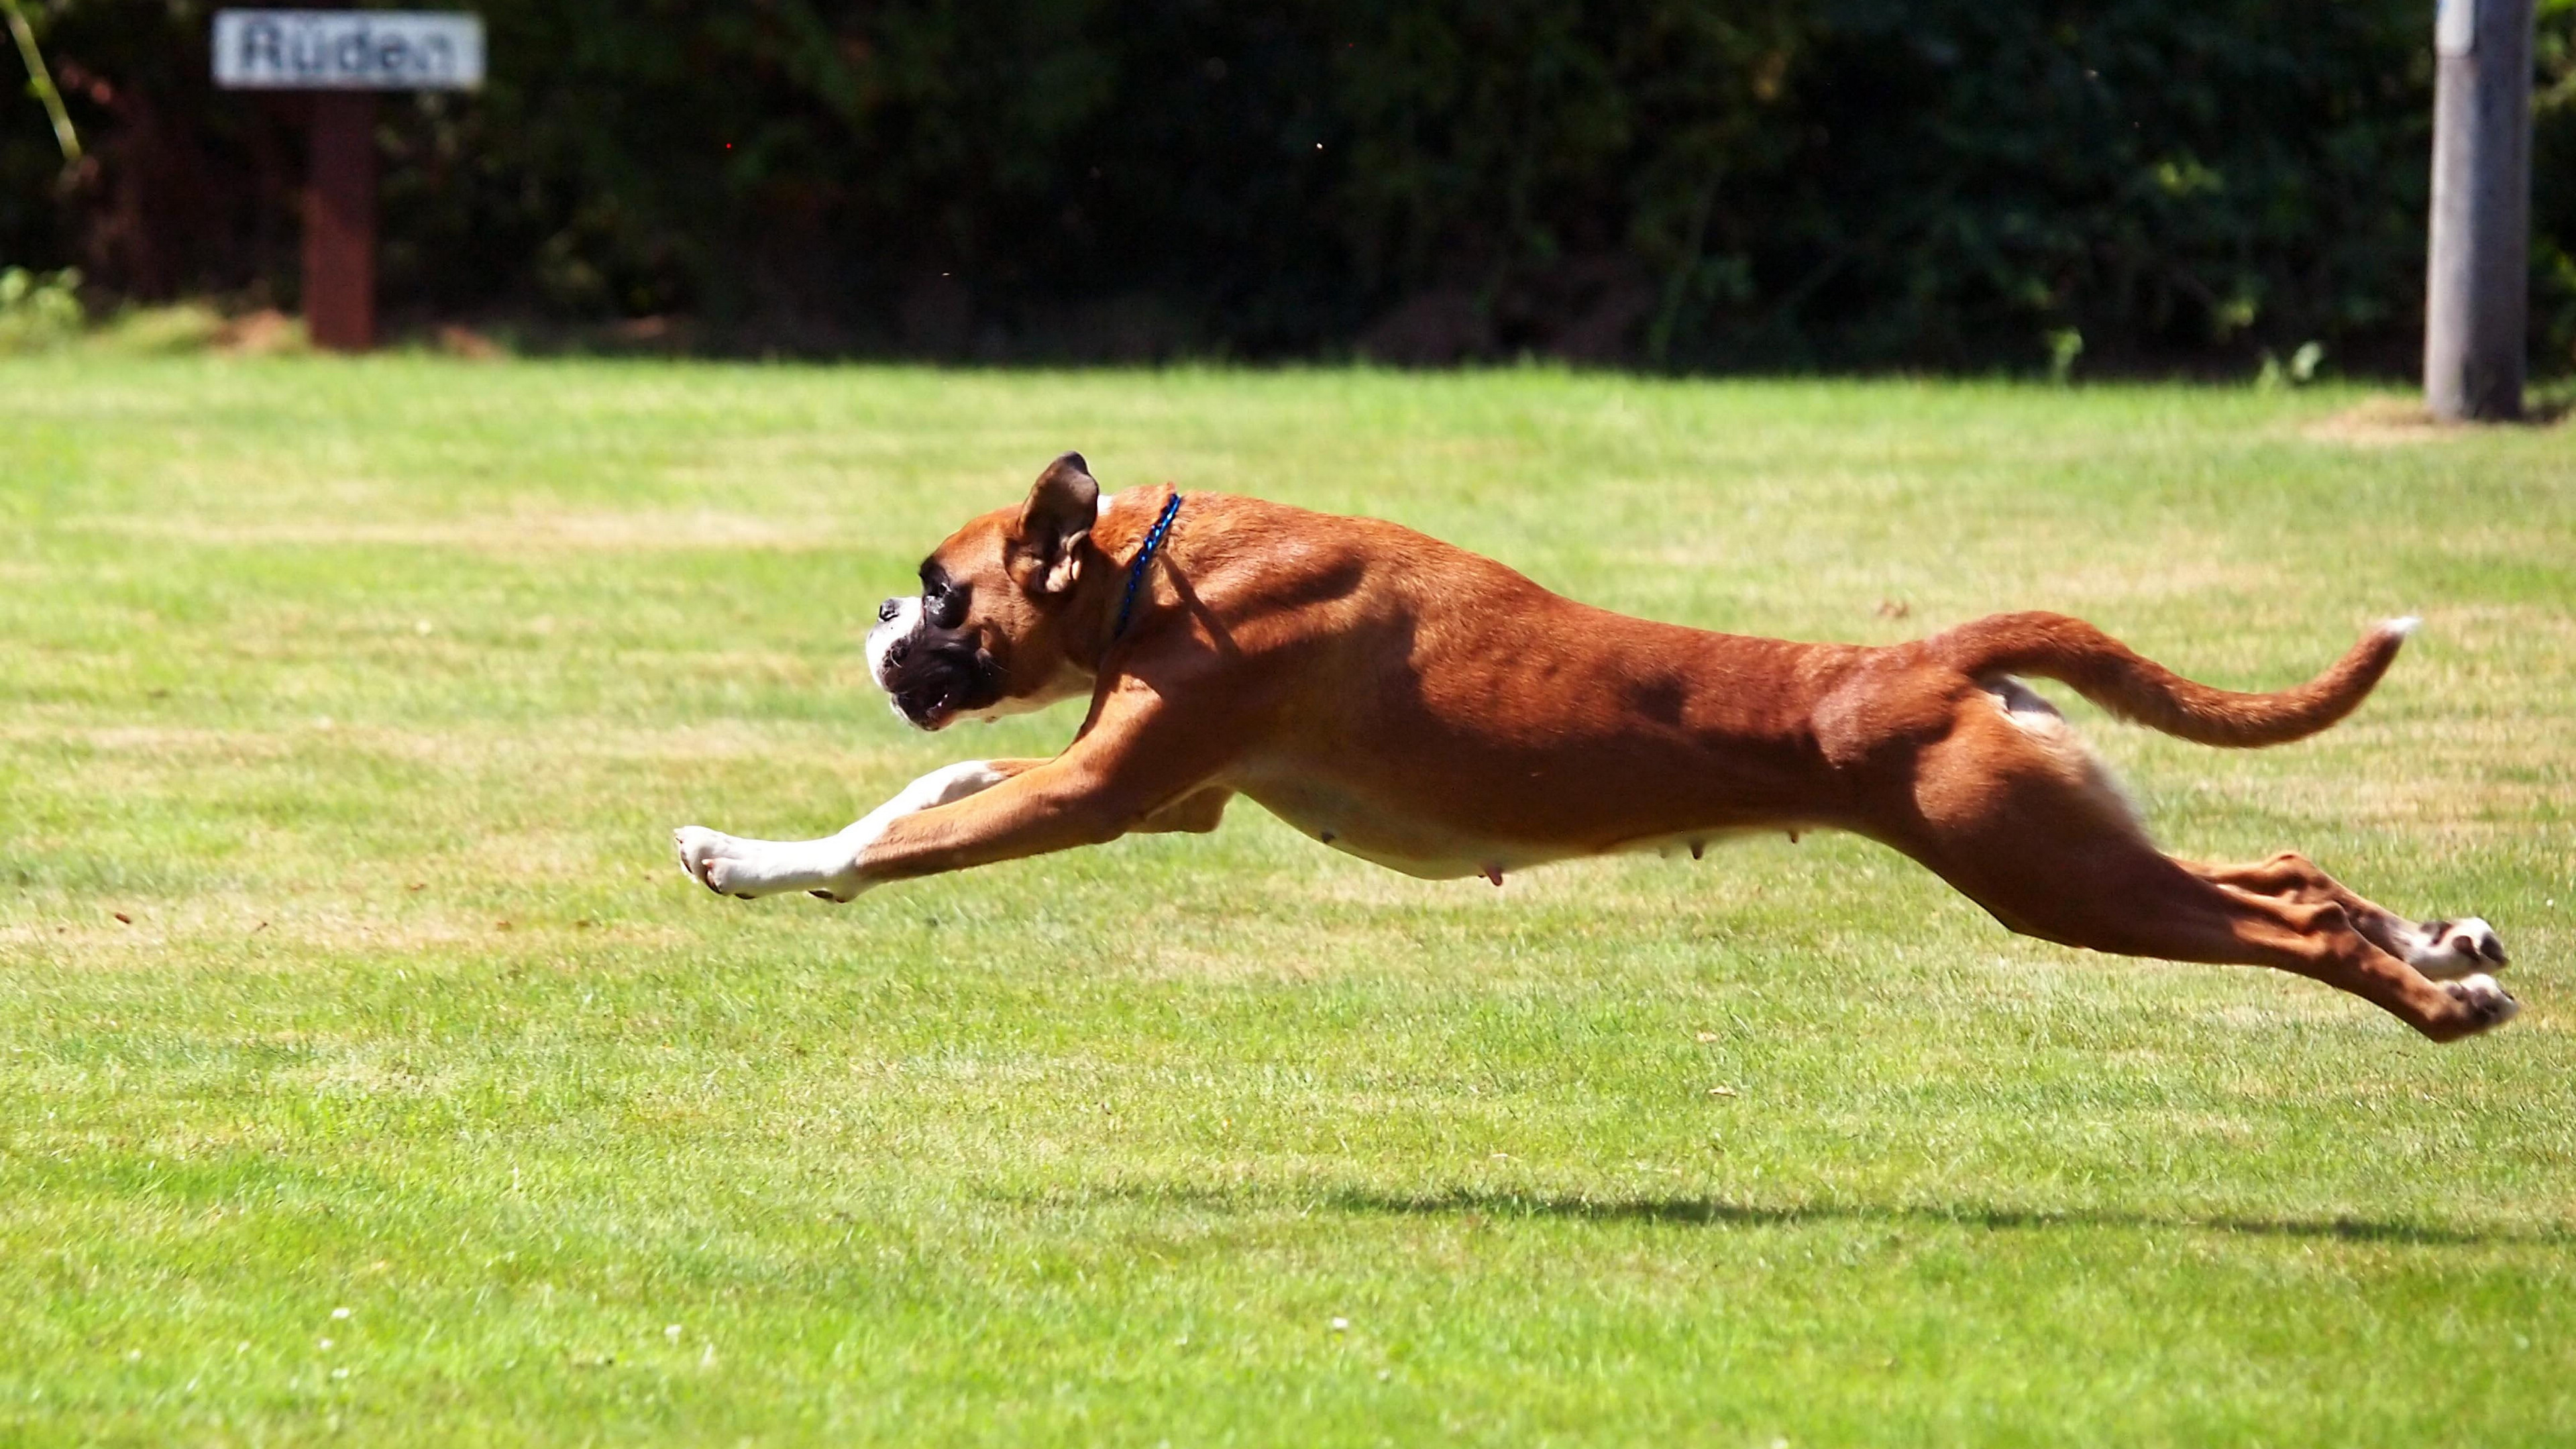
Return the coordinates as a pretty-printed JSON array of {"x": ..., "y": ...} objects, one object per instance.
[
  {"x": 2477, "y": 279},
  {"x": 340, "y": 223}
]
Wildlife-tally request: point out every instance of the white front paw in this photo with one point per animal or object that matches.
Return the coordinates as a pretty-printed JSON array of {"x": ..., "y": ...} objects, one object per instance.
[
  {"x": 732, "y": 866},
  {"x": 712, "y": 858}
]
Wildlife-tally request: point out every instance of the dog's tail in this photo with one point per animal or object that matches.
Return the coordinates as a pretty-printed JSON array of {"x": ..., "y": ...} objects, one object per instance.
[{"x": 2110, "y": 674}]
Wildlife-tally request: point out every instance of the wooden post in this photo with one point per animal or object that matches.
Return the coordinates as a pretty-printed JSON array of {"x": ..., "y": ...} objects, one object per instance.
[
  {"x": 2477, "y": 279},
  {"x": 340, "y": 223},
  {"x": 341, "y": 57}
]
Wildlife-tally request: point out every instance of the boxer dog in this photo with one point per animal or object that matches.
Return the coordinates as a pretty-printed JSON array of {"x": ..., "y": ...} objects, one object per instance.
[{"x": 1433, "y": 711}]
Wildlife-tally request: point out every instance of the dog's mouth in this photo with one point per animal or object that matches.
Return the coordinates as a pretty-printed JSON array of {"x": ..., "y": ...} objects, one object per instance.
[
  {"x": 926, "y": 708},
  {"x": 932, "y": 681}
]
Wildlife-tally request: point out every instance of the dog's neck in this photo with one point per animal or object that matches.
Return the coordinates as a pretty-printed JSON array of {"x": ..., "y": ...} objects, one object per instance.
[{"x": 1118, "y": 536}]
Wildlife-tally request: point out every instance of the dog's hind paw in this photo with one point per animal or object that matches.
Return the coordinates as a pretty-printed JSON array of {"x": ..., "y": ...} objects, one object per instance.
[
  {"x": 2488, "y": 1004},
  {"x": 2448, "y": 950}
]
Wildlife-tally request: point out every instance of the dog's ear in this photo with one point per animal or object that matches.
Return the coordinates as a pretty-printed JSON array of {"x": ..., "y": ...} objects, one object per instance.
[{"x": 1055, "y": 525}]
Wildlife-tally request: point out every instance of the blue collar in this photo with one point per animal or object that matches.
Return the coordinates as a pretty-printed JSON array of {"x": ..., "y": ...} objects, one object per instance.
[{"x": 1144, "y": 556}]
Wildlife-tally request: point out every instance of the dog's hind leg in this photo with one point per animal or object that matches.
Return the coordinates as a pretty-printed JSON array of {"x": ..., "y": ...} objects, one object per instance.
[
  {"x": 2023, "y": 823},
  {"x": 2444, "y": 949}
]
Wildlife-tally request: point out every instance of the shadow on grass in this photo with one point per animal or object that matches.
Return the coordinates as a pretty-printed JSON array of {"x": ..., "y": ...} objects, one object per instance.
[{"x": 1720, "y": 1212}]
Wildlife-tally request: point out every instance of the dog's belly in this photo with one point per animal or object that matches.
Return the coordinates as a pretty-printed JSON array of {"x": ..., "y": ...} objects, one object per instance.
[
  {"x": 1428, "y": 849},
  {"x": 1421, "y": 848}
]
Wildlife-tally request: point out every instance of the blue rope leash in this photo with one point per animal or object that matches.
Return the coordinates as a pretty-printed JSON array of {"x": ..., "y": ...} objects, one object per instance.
[{"x": 1144, "y": 556}]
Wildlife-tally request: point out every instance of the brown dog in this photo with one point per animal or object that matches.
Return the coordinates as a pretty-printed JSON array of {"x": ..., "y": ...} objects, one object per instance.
[{"x": 1433, "y": 711}]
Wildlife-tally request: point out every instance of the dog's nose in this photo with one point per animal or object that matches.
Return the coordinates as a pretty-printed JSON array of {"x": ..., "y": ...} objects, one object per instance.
[{"x": 887, "y": 610}]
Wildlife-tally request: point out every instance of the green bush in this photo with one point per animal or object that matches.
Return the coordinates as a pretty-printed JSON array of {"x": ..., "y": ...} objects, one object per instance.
[
  {"x": 38, "y": 311},
  {"x": 1683, "y": 183}
]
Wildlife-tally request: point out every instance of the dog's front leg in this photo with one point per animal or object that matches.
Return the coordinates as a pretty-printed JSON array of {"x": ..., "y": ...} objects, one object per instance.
[
  {"x": 1064, "y": 803},
  {"x": 733, "y": 866},
  {"x": 1139, "y": 769}
]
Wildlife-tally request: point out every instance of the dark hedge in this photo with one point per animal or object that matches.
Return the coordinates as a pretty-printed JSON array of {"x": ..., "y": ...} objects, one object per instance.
[{"x": 1761, "y": 184}]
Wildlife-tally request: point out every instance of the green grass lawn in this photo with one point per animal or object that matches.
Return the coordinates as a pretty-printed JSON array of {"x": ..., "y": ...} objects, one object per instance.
[{"x": 368, "y": 1069}]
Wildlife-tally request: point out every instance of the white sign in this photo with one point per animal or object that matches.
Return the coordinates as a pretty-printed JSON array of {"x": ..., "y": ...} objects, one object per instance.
[
  {"x": 348, "y": 50},
  {"x": 2455, "y": 27}
]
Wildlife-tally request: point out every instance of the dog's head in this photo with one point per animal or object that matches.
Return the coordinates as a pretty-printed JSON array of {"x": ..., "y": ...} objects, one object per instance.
[{"x": 986, "y": 635}]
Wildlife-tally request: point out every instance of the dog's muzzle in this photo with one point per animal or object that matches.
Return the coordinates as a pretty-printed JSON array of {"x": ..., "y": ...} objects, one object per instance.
[{"x": 929, "y": 675}]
